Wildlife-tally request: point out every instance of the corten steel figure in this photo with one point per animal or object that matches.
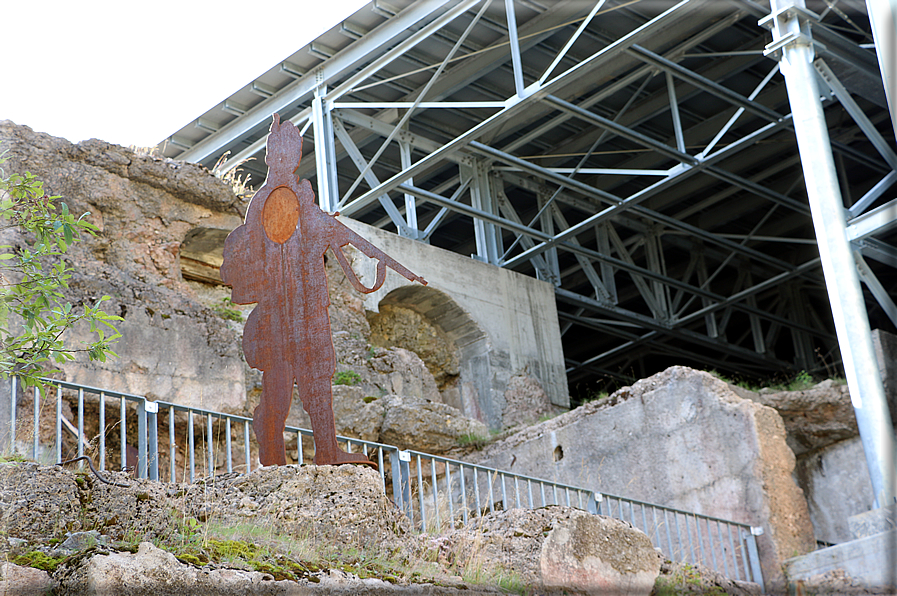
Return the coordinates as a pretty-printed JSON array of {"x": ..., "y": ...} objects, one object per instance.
[{"x": 276, "y": 258}]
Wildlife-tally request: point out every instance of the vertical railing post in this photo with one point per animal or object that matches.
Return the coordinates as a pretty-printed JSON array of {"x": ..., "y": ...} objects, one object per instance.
[
  {"x": 172, "y": 469},
  {"x": 80, "y": 425},
  {"x": 36, "y": 430},
  {"x": 405, "y": 482},
  {"x": 210, "y": 445},
  {"x": 594, "y": 505},
  {"x": 227, "y": 441},
  {"x": 381, "y": 469},
  {"x": 102, "y": 453},
  {"x": 123, "y": 431},
  {"x": 420, "y": 495},
  {"x": 463, "y": 483},
  {"x": 191, "y": 446},
  {"x": 448, "y": 492},
  {"x": 396, "y": 479},
  {"x": 435, "y": 486},
  {"x": 152, "y": 421},
  {"x": 141, "y": 439},
  {"x": 754, "y": 556},
  {"x": 12, "y": 414},
  {"x": 58, "y": 423}
]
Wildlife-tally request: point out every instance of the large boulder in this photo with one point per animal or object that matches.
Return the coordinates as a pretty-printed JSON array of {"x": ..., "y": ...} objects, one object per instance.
[
  {"x": 681, "y": 438},
  {"x": 25, "y": 581},
  {"x": 558, "y": 549},
  {"x": 338, "y": 505}
]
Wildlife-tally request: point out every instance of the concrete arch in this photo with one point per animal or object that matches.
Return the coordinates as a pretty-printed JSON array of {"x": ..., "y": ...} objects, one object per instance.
[
  {"x": 442, "y": 310},
  {"x": 471, "y": 393}
]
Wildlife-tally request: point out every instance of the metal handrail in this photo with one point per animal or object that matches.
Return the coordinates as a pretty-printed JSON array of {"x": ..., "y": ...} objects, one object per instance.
[{"x": 425, "y": 503}]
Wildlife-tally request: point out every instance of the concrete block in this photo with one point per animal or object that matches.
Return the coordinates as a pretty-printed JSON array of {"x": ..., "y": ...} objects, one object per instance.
[
  {"x": 873, "y": 522},
  {"x": 868, "y": 560},
  {"x": 681, "y": 438}
]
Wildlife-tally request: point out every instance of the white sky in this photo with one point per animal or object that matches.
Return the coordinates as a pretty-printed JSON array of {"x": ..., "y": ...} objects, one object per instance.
[{"x": 132, "y": 72}]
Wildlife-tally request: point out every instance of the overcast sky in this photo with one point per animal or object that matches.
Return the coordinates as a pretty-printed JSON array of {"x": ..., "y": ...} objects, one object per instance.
[{"x": 134, "y": 72}]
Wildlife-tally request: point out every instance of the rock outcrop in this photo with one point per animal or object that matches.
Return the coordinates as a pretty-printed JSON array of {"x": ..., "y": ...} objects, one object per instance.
[
  {"x": 317, "y": 529},
  {"x": 173, "y": 347},
  {"x": 814, "y": 418},
  {"x": 24, "y": 581}
]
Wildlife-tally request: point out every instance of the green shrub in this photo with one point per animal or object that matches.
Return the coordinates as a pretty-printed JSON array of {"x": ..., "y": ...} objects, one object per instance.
[{"x": 346, "y": 377}]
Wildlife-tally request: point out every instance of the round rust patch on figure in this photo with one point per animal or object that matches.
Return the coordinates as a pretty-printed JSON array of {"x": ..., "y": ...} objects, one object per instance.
[{"x": 280, "y": 214}]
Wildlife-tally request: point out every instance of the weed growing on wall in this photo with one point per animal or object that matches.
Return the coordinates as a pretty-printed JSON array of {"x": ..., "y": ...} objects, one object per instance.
[
  {"x": 225, "y": 309},
  {"x": 346, "y": 377}
]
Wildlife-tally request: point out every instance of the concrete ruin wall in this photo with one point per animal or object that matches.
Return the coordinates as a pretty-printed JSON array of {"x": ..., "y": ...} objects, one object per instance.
[
  {"x": 681, "y": 438},
  {"x": 516, "y": 316}
]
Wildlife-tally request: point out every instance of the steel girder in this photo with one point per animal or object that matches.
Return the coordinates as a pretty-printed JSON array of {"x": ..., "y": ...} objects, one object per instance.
[{"x": 541, "y": 139}]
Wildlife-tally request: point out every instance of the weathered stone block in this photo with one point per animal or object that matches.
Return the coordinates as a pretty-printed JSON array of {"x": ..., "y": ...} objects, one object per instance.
[
  {"x": 558, "y": 549},
  {"x": 836, "y": 483},
  {"x": 25, "y": 581}
]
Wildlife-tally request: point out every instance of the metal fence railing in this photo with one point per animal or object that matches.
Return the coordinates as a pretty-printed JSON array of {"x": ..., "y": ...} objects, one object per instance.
[
  {"x": 436, "y": 492},
  {"x": 175, "y": 442}
]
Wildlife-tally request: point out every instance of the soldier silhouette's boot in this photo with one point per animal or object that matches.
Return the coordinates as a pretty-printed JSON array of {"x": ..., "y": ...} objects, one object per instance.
[{"x": 327, "y": 451}]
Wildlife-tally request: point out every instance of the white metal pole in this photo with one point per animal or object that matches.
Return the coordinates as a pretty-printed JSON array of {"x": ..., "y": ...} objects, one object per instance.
[
  {"x": 327, "y": 196},
  {"x": 883, "y": 18},
  {"x": 791, "y": 35}
]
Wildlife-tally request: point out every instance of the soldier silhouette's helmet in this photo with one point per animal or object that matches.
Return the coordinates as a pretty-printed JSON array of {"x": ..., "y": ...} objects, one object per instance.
[{"x": 284, "y": 145}]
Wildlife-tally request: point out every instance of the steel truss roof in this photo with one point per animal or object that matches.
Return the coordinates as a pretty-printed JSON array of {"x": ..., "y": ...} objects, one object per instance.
[{"x": 637, "y": 154}]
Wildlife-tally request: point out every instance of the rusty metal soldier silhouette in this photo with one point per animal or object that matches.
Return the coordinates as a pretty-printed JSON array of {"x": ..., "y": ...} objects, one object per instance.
[{"x": 276, "y": 258}]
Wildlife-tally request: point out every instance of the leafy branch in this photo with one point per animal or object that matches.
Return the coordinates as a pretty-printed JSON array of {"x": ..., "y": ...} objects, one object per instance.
[{"x": 34, "y": 314}]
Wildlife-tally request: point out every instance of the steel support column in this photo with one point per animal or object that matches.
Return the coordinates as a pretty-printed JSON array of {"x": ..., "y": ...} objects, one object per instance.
[
  {"x": 791, "y": 35},
  {"x": 325, "y": 152},
  {"x": 883, "y": 18}
]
